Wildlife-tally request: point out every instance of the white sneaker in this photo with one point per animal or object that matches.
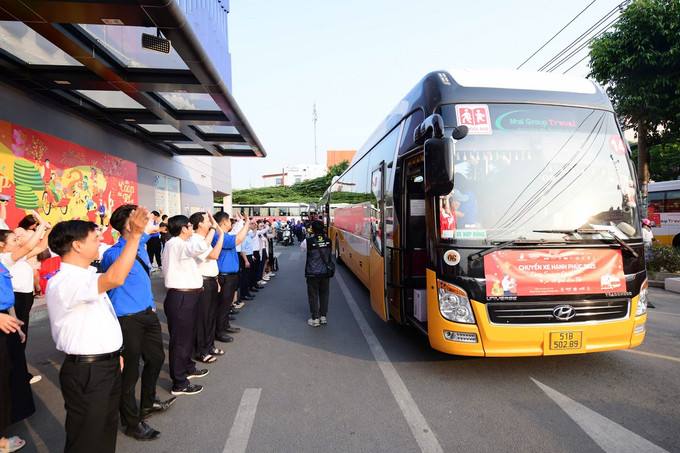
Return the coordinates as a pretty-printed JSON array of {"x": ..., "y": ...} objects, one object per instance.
[
  {"x": 261, "y": 283},
  {"x": 266, "y": 279},
  {"x": 322, "y": 320},
  {"x": 271, "y": 274},
  {"x": 313, "y": 322},
  {"x": 35, "y": 379}
]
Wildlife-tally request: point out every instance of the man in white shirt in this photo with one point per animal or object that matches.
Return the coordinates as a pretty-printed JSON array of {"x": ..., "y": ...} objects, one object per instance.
[
  {"x": 85, "y": 327},
  {"x": 184, "y": 282},
  {"x": 206, "y": 351}
]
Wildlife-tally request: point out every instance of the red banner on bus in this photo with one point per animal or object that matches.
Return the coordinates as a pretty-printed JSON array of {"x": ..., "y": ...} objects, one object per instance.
[{"x": 513, "y": 273}]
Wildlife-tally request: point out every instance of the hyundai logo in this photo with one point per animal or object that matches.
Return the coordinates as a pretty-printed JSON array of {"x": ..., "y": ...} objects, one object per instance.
[{"x": 564, "y": 312}]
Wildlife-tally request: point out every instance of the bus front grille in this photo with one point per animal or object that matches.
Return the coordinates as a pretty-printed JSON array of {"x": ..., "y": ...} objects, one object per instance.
[{"x": 543, "y": 312}]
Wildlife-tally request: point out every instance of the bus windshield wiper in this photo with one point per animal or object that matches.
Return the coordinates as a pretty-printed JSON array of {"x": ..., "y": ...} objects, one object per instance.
[
  {"x": 621, "y": 242},
  {"x": 505, "y": 244}
]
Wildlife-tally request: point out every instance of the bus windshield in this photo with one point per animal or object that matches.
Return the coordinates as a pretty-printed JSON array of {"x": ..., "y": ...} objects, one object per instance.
[{"x": 531, "y": 171}]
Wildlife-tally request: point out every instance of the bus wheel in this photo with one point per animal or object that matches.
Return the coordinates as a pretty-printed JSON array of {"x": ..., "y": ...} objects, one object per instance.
[{"x": 337, "y": 252}]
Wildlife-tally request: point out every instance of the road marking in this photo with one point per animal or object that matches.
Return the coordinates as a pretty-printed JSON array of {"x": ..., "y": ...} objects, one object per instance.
[
  {"x": 658, "y": 356},
  {"x": 237, "y": 442},
  {"x": 421, "y": 431},
  {"x": 610, "y": 436}
]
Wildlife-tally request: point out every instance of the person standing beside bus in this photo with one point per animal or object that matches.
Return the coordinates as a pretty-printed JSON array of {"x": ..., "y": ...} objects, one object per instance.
[{"x": 318, "y": 250}]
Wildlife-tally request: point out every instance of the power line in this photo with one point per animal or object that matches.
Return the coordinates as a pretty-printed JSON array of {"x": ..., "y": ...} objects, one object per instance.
[
  {"x": 583, "y": 36},
  {"x": 532, "y": 55},
  {"x": 582, "y": 46}
]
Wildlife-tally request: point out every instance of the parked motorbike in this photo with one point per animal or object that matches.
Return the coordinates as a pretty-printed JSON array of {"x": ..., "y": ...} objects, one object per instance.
[{"x": 287, "y": 236}]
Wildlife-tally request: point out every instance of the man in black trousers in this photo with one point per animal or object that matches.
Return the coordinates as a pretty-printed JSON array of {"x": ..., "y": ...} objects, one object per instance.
[
  {"x": 184, "y": 282},
  {"x": 136, "y": 312},
  {"x": 153, "y": 243},
  {"x": 85, "y": 327}
]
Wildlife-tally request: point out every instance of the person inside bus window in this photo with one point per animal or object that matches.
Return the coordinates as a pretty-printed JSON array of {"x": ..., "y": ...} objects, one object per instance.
[
  {"x": 647, "y": 236},
  {"x": 447, "y": 214},
  {"x": 466, "y": 214}
]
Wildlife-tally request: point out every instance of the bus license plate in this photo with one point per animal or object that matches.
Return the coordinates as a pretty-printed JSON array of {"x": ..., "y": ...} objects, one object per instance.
[{"x": 566, "y": 340}]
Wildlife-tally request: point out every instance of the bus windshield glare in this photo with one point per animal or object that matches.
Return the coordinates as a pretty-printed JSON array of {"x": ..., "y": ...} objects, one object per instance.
[{"x": 529, "y": 168}]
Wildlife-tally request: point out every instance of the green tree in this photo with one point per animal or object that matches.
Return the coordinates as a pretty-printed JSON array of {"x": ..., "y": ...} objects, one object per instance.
[
  {"x": 639, "y": 64},
  {"x": 664, "y": 162},
  {"x": 303, "y": 192}
]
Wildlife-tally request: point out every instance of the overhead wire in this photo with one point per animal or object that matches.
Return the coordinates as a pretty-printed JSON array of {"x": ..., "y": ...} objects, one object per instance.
[
  {"x": 582, "y": 46},
  {"x": 585, "y": 35},
  {"x": 548, "y": 42}
]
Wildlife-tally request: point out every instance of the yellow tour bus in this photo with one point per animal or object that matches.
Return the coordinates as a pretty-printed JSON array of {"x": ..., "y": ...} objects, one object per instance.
[{"x": 496, "y": 212}]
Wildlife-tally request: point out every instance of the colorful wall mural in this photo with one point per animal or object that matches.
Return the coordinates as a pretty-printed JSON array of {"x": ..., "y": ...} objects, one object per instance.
[{"x": 61, "y": 180}]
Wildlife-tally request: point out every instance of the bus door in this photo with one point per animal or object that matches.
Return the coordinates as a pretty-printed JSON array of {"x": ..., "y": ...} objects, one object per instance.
[
  {"x": 377, "y": 243},
  {"x": 414, "y": 238}
]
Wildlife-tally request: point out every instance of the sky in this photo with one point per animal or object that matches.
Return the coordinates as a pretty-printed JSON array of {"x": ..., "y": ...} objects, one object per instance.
[{"x": 356, "y": 59}]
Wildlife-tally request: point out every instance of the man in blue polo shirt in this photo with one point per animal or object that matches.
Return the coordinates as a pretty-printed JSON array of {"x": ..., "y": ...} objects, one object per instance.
[
  {"x": 134, "y": 306},
  {"x": 228, "y": 276}
]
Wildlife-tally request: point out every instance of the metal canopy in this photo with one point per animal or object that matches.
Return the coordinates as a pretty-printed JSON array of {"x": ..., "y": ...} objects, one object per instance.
[{"x": 61, "y": 50}]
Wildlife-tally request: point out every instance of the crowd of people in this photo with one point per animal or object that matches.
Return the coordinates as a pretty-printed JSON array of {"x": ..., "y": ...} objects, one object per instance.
[{"x": 103, "y": 315}]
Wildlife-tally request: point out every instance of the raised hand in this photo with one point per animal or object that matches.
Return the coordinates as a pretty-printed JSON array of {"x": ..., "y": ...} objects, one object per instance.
[{"x": 139, "y": 219}]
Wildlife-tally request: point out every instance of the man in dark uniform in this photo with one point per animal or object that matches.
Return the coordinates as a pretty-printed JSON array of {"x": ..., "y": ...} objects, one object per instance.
[{"x": 318, "y": 249}]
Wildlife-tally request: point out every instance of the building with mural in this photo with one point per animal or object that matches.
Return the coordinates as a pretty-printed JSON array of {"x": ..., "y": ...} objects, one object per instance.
[{"x": 92, "y": 118}]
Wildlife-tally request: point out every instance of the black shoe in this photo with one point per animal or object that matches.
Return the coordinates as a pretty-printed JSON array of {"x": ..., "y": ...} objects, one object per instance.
[
  {"x": 142, "y": 432},
  {"x": 233, "y": 330},
  {"x": 232, "y": 318},
  {"x": 198, "y": 374},
  {"x": 257, "y": 287},
  {"x": 234, "y": 311},
  {"x": 158, "y": 406},
  {"x": 224, "y": 338},
  {"x": 191, "y": 389},
  {"x": 248, "y": 297},
  {"x": 253, "y": 289}
]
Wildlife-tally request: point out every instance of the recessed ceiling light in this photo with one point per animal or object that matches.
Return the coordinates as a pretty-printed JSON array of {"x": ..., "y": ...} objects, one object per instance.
[
  {"x": 131, "y": 120},
  {"x": 62, "y": 82},
  {"x": 112, "y": 21}
]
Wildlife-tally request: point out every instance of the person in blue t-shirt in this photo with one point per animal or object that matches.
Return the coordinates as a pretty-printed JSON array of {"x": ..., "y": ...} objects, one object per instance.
[
  {"x": 134, "y": 306},
  {"x": 228, "y": 266}
]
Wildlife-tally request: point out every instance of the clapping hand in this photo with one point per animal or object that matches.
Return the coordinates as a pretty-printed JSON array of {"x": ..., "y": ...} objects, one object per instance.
[{"x": 139, "y": 219}]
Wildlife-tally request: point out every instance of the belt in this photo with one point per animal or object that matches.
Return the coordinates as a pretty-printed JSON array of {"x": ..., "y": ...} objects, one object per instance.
[
  {"x": 143, "y": 312},
  {"x": 93, "y": 358},
  {"x": 209, "y": 278},
  {"x": 228, "y": 273},
  {"x": 187, "y": 290}
]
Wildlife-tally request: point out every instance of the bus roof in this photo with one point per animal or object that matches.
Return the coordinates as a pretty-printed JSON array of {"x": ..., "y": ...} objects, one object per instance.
[
  {"x": 663, "y": 185},
  {"x": 490, "y": 86}
]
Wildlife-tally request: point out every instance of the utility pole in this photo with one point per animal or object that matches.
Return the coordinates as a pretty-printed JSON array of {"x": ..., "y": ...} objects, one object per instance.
[{"x": 314, "y": 117}]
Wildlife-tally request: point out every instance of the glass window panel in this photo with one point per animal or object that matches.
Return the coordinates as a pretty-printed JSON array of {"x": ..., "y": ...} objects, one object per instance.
[
  {"x": 111, "y": 99},
  {"x": 31, "y": 48},
  {"x": 187, "y": 146},
  {"x": 125, "y": 43},
  {"x": 156, "y": 128},
  {"x": 655, "y": 200},
  {"x": 190, "y": 101},
  {"x": 673, "y": 201},
  {"x": 217, "y": 129}
]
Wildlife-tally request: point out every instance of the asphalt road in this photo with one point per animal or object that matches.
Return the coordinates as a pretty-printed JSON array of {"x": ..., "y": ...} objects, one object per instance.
[{"x": 361, "y": 385}]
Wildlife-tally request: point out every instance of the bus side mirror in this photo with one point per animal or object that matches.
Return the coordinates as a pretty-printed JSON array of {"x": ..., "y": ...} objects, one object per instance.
[{"x": 439, "y": 166}]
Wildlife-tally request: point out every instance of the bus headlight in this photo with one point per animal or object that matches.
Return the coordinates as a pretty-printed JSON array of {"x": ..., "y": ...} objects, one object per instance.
[
  {"x": 454, "y": 304},
  {"x": 642, "y": 300}
]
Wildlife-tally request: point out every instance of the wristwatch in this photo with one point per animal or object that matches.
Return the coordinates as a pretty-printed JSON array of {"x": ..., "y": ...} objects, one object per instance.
[{"x": 212, "y": 228}]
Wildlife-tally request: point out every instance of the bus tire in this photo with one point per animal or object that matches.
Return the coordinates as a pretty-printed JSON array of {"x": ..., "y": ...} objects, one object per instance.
[{"x": 338, "y": 259}]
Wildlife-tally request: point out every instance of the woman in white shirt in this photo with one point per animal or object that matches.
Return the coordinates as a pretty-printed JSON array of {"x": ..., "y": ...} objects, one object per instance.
[{"x": 14, "y": 255}]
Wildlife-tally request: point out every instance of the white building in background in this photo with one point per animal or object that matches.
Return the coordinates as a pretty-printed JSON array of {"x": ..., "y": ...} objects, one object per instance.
[{"x": 293, "y": 175}]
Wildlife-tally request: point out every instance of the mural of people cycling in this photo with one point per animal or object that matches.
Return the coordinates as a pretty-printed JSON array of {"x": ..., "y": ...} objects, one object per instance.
[{"x": 61, "y": 180}]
